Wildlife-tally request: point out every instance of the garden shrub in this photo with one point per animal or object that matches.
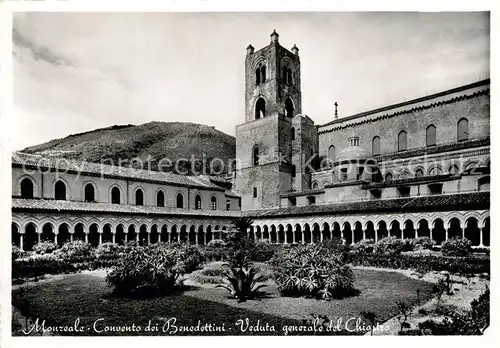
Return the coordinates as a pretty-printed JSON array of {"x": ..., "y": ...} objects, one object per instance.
[
  {"x": 107, "y": 254},
  {"x": 263, "y": 251},
  {"x": 216, "y": 243},
  {"x": 364, "y": 246},
  {"x": 423, "y": 263},
  {"x": 40, "y": 265},
  {"x": 17, "y": 252},
  {"x": 149, "y": 271},
  {"x": 76, "y": 251},
  {"x": 456, "y": 247},
  {"x": 312, "y": 270},
  {"x": 242, "y": 281},
  {"x": 336, "y": 245},
  {"x": 44, "y": 248},
  {"x": 391, "y": 245},
  {"x": 473, "y": 321},
  {"x": 422, "y": 243}
]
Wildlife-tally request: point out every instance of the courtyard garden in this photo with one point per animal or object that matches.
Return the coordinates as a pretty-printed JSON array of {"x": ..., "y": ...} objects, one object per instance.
[{"x": 239, "y": 287}]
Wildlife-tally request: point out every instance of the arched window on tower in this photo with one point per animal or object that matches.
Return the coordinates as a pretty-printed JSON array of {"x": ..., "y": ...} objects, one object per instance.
[
  {"x": 376, "y": 146},
  {"x": 160, "y": 199},
  {"x": 292, "y": 133},
  {"x": 197, "y": 202},
  {"x": 463, "y": 129},
  {"x": 257, "y": 76},
  {"x": 288, "y": 107},
  {"x": 89, "y": 193},
  {"x": 115, "y": 195},
  {"x": 331, "y": 154},
  {"x": 388, "y": 177},
  {"x": 27, "y": 188},
  {"x": 260, "y": 108},
  {"x": 180, "y": 200},
  {"x": 402, "y": 141},
  {"x": 255, "y": 156},
  {"x": 139, "y": 197},
  {"x": 60, "y": 190},
  {"x": 430, "y": 136},
  {"x": 263, "y": 74},
  {"x": 213, "y": 202}
]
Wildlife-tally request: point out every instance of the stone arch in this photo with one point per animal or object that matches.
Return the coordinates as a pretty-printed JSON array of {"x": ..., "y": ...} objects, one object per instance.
[
  {"x": 107, "y": 233},
  {"x": 60, "y": 189},
  {"x": 418, "y": 171},
  {"x": 435, "y": 169},
  {"x": 358, "y": 231},
  {"x": 289, "y": 107},
  {"x": 139, "y": 196},
  {"x": 369, "y": 230},
  {"x": 89, "y": 191},
  {"x": 315, "y": 185},
  {"x": 423, "y": 228},
  {"x": 260, "y": 107},
  {"x": 198, "y": 201},
  {"x": 404, "y": 174},
  {"x": 30, "y": 235},
  {"x": 179, "y": 200},
  {"x": 63, "y": 233},
  {"x": 455, "y": 229},
  {"x": 395, "y": 228},
  {"x": 160, "y": 198},
  {"x": 382, "y": 230},
  {"x": 298, "y": 237},
  {"x": 143, "y": 235},
  {"x": 472, "y": 230},
  {"x": 27, "y": 187},
  {"x": 409, "y": 231},
  {"x": 325, "y": 183},
  {"x": 214, "y": 203},
  {"x": 120, "y": 235},
  {"x": 116, "y": 194},
  {"x": 438, "y": 231},
  {"x": 336, "y": 230},
  {"x": 48, "y": 231},
  {"x": 16, "y": 234}
]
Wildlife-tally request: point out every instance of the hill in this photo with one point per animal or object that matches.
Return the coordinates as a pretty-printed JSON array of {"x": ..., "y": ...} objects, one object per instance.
[{"x": 149, "y": 143}]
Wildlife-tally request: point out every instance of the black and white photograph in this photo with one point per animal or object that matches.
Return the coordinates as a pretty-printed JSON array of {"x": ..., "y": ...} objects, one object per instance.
[{"x": 249, "y": 173}]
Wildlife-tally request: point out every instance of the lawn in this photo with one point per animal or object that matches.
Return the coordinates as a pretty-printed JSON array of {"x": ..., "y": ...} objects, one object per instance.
[{"x": 86, "y": 296}]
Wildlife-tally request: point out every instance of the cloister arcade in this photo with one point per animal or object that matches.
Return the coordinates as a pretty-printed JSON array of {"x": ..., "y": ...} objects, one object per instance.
[
  {"x": 474, "y": 226},
  {"x": 26, "y": 232}
]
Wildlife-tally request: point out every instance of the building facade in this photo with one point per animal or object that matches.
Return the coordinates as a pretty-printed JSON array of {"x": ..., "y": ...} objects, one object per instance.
[{"x": 417, "y": 168}]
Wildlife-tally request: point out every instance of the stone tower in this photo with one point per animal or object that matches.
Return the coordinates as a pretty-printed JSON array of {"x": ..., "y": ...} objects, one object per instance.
[{"x": 270, "y": 143}]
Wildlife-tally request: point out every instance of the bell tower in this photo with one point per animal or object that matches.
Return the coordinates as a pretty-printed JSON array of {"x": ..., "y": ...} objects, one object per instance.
[{"x": 264, "y": 142}]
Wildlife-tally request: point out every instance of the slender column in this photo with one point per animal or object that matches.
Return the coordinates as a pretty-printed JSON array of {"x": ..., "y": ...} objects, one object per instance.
[
  {"x": 364, "y": 234},
  {"x": 126, "y": 237},
  {"x": 86, "y": 237},
  {"x": 352, "y": 237},
  {"x": 137, "y": 236},
  {"x": 168, "y": 237},
  {"x": 114, "y": 238},
  {"x": 149, "y": 238},
  {"x": 376, "y": 234},
  {"x": 416, "y": 231},
  {"x": 321, "y": 236},
  {"x": 204, "y": 238},
  {"x": 462, "y": 229},
  {"x": 481, "y": 236},
  {"x": 303, "y": 239},
  {"x": 195, "y": 238},
  {"x": 446, "y": 234},
  {"x": 430, "y": 232},
  {"x": 71, "y": 237},
  {"x": 100, "y": 238},
  {"x": 55, "y": 238},
  {"x": 39, "y": 237},
  {"x": 21, "y": 242}
]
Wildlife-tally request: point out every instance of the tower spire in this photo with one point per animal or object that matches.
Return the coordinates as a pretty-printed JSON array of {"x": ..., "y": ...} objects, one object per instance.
[
  {"x": 336, "y": 117},
  {"x": 274, "y": 36}
]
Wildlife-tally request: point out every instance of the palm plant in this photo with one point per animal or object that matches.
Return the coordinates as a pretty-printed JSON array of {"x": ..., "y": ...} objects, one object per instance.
[
  {"x": 242, "y": 224},
  {"x": 242, "y": 281}
]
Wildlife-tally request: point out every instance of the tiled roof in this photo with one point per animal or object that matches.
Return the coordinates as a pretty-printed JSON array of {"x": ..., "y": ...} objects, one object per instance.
[
  {"x": 105, "y": 170},
  {"x": 22, "y": 204},
  {"x": 464, "y": 201},
  {"x": 398, "y": 182},
  {"x": 460, "y": 93},
  {"x": 434, "y": 149},
  {"x": 302, "y": 193}
]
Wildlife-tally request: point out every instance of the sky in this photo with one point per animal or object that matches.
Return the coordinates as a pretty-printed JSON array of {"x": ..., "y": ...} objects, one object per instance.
[{"x": 75, "y": 72}]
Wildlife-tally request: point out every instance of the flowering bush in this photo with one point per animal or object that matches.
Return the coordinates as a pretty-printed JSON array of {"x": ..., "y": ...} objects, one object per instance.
[
  {"x": 364, "y": 246},
  {"x": 76, "y": 251},
  {"x": 312, "y": 270},
  {"x": 391, "y": 245},
  {"x": 44, "y": 247},
  {"x": 16, "y": 252},
  {"x": 149, "y": 271},
  {"x": 421, "y": 243},
  {"x": 456, "y": 247}
]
